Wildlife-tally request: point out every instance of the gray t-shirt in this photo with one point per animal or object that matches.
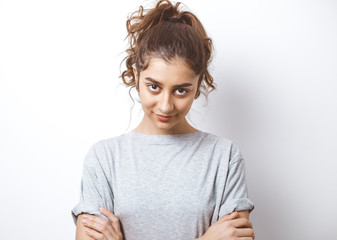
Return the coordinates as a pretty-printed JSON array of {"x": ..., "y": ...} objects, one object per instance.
[{"x": 164, "y": 186}]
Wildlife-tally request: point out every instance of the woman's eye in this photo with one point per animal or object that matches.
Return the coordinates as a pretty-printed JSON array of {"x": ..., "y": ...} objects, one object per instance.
[
  {"x": 181, "y": 91},
  {"x": 153, "y": 88}
]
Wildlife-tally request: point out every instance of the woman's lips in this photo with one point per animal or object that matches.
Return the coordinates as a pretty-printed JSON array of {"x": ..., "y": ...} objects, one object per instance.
[{"x": 164, "y": 118}]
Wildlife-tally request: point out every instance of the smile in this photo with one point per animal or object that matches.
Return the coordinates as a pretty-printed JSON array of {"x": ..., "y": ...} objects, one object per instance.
[{"x": 164, "y": 118}]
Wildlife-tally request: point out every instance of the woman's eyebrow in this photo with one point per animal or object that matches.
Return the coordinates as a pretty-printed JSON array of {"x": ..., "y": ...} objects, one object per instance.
[{"x": 160, "y": 84}]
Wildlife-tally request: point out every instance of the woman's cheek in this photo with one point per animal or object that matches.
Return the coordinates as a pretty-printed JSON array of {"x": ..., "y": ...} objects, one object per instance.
[{"x": 185, "y": 104}]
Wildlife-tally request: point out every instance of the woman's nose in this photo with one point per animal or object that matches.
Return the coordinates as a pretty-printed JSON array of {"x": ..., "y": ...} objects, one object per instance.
[{"x": 165, "y": 103}]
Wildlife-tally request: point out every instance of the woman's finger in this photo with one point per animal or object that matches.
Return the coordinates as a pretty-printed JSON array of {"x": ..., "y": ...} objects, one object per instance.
[
  {"x": 99, "y": 224},
  {"x": 231, "y": 216},
  {"x": 241, "y": 223},
  {"x": 94, "y": 234},
  {"x": 113, "y": 219},
  {"x": 245, "y": 232}
]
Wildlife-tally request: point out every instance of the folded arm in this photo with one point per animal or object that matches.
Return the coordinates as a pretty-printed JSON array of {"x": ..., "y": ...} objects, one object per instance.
[{"x": 232, "y": 226}]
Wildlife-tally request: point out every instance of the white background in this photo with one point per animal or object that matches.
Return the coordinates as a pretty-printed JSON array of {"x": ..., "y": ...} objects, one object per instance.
[{"x": 275, "y": 66}]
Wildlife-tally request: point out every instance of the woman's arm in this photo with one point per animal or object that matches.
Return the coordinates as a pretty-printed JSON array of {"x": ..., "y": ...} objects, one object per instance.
[
  {"x": 232, "y": 226},
  {"x": 228, "y": 227},
  {"x": 80, "y": 230},
  {"x": 98, "y": 227}
]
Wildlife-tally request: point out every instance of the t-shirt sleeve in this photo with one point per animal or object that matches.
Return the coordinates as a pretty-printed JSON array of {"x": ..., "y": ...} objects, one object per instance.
[
  {"x": 96, "y": 188},
  {"x": 235, "y": 195}
]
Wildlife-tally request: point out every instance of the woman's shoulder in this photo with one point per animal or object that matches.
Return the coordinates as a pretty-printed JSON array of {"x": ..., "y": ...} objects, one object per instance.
[
  {"x": 224, "y": 144},
  {"x": 107, "y": 143},
  {"x": 212, "y": 137}
]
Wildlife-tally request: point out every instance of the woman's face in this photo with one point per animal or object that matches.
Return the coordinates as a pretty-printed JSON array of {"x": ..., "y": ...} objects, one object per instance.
[{"x": 166, "y": 92}]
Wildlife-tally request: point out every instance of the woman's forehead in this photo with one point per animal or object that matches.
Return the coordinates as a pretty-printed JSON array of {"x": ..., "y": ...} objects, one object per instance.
[{"x": 172, "y": 72}]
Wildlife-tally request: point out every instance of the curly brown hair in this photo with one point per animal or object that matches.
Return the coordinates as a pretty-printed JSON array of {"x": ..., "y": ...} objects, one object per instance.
[{"x": 166, "y": 32}]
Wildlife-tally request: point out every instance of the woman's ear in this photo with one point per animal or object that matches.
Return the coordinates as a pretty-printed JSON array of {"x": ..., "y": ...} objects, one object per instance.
[
  {"x": 135, "y": 73},
  {"x": 197, "y": 94}
]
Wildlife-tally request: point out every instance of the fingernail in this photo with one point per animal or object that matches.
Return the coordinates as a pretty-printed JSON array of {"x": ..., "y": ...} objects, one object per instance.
[
  {"x": 101, "y": 209},
  {"x": 85, "y": 216},
  {"x": 84, "y": 221}
]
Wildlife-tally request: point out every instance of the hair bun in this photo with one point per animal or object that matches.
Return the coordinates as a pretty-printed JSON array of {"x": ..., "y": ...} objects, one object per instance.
[{"x": 174, "y": 19}]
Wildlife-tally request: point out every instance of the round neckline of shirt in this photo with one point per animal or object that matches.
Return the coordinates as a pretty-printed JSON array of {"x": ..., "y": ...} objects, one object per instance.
[{"x": 167, "y": 138}]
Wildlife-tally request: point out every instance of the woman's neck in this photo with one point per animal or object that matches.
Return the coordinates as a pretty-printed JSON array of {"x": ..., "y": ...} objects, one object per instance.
[{"x": 147, "y": 127}]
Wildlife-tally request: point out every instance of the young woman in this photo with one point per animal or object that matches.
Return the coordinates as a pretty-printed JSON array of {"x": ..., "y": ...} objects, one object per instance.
[{"x": 165, "y": 179}]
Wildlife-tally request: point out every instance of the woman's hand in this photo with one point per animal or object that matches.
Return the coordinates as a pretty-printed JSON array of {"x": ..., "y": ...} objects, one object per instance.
[
  {"x": 100, "y": 229},
  {"x": 230, "y": 227}
]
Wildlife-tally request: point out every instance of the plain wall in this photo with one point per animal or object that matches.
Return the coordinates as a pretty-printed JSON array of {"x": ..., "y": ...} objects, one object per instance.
[{"x": 275, "y": 66}]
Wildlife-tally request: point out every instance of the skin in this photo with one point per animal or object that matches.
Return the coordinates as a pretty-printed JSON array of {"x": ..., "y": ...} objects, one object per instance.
[
  {"x": 235, "y": 226},
  {"x": 159, "y": 94},
  {"x": 90, "y": 227},
  {"x": 163, "y": 97}
]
